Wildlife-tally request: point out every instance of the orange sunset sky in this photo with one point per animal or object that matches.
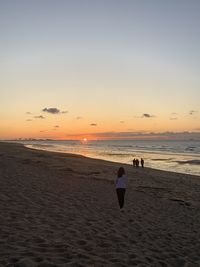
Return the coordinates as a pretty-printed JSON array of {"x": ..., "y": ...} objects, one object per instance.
[{"x": 100, "y": 69}]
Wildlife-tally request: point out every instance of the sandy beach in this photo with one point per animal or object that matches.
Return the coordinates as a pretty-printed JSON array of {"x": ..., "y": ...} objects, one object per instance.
[{"x": 62, "y": 210}]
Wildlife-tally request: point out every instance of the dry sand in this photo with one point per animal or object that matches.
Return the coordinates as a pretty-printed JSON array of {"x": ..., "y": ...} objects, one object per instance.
[{"x": 62, "y": 210}]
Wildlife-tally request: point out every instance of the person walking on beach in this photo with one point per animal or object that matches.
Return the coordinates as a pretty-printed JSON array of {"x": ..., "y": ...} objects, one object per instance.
[
  {"x": 134, "y": 162},
  {"x": 121, "y": 186},
  {"x": 137, "y": 163},
  {"x": 142, "y": 162}
]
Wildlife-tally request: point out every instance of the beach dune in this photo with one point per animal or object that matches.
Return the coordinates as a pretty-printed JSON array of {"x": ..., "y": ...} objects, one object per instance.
[{"x": 61, "y": 210}]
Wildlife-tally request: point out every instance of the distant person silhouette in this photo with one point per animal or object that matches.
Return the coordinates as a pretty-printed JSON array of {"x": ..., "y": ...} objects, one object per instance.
[
  {"x": 121, "y": 186},
  {"x": 142, "y": 162},
  {"x": 134, "y": 163},
  {"x": 137, "y": 163}
]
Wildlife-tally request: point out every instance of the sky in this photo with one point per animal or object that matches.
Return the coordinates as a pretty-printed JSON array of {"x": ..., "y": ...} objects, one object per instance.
[{"x": 106, "y": 69}]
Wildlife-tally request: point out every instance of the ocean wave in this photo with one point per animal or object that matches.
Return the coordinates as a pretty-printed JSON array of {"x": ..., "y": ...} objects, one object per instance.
[
  {"x": 168, "y": 159},
  {"x": 41, "y": 145},
  {"x": 117, "y": 154},
  {"x": 127, "y": 146},
  {"x": 192, "y": 162},
  {"x": 190, "y": 148}
]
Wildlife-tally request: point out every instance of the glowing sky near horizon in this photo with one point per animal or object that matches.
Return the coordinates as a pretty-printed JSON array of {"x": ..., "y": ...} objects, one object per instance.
[{"x": 106, "y": 66}]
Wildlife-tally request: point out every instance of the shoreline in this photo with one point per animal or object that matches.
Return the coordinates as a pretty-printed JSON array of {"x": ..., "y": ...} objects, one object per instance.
[
  {"x": 175, "y": 156},
  {"x": 181, "y": 163},
  {"x": 61, "y": 210},
  {"x": 112, "y": 162}
]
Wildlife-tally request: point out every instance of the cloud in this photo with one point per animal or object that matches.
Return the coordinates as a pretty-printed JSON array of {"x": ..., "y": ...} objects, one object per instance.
[
  {"x": 28, "y": 113},
  {"x": 147, "y": 115},
  {"x": 121, "y": 121},
  {"x": 172, "y": 119},
  {"x": 54, "y": 111},
  {"x": 56, "y": 126},
  {"x": 79, "y": 118},
  {"x": 39, "y": 117},
  {"x": 192, "y": 112},
  {"x": 93, "y": 124},
  {"x": 29, "y": 120}
]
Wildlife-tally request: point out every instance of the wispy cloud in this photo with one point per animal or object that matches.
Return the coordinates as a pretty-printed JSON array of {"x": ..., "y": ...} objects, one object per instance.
[
  {"x": 28, "y": 113},
  {"x": 79, "y": 118},
  {"x": 173, "y": 119},
  {"x": 93, "y": 124},
  {"x": 192, "y": 112},
  {"x": 56, "y": 126},
  {"x": 173, "y": 116},
  {"x": 121, "y": 121},
  {"x": 28, "y": 120},
  {"x": 54, "y": 111},
  {"x": 147, "y": 115},
  {"x": 39, "y": 117}
]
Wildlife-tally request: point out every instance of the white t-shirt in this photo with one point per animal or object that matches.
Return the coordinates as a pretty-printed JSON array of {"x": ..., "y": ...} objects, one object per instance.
[{"x": 121, "y": 181}]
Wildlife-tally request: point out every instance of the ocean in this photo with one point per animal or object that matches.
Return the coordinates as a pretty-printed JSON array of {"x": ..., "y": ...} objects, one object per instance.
[{"x": 177, "y": 156}]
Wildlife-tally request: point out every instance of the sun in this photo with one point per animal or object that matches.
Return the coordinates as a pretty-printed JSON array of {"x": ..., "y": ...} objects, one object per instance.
[{"x": 85, "y": 139}]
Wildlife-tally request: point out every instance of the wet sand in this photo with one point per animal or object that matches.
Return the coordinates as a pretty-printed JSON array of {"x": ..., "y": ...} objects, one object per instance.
[{"x": 61, "y": 210}]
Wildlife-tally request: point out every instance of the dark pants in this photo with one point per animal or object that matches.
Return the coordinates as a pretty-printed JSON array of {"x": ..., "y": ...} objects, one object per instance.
[{"x": 120, "y": 195}]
